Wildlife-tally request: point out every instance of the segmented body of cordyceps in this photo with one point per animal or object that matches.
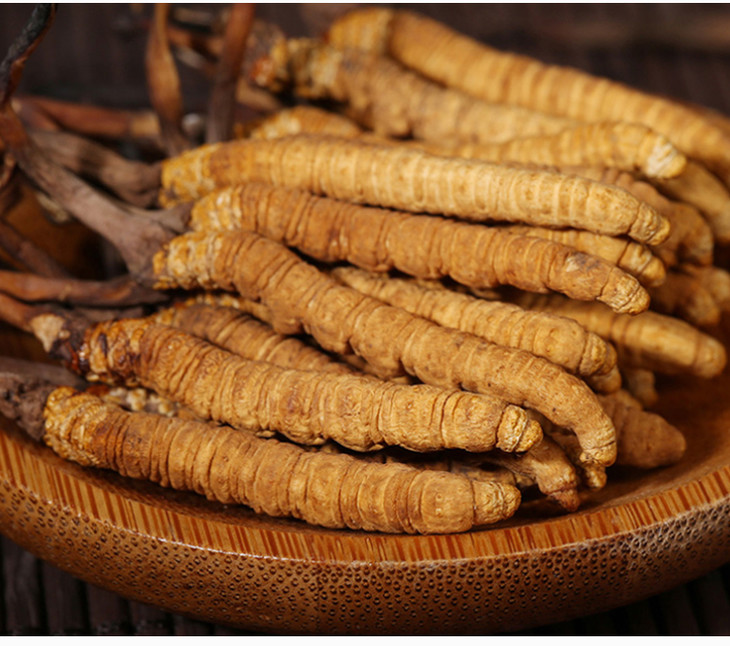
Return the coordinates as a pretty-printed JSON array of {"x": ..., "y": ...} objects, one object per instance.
[
  {"x": 303, "y": 119},
  {"x": 455, "y": 60},
  {"x": 388, "y": 338},
  {"x": 634, "y": 258},
  {"x": 684, "y": 296},
  {"x": 558, "y": 339},
  {"x": 271, "y": 477},
  {"x": 700, "y": 188},
  {"x": 248, "y": 337},
  {"x": 421, "y": 246},
  {"x": 411, "y": 180},
  {"x": 691, "y": 237},
  {"x": 645, "y": 439},
  {"x": 625, "y": 146},
  {"x": 548, "y": 466},
  {"x": 390, "y": 100},
  {"x": 640, "y": 383},
  {"x": 648, "y": 340},
  {"x": 715, "y": 280},
  {"x": 307, "y": 407}
]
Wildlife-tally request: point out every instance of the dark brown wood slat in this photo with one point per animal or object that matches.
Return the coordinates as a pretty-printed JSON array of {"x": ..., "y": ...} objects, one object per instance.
[
  {"x": 148, "y": 620},
  {"x": 21, "y": 591},
  {"x": 711, "y": 604},
  {"x": 108, "y": 612},
  {"x": 677, "y": 615},
  {"x": 65, "y": 602}
]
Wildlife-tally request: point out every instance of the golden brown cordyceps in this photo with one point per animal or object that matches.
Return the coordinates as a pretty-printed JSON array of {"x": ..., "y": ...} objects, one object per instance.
[
  {"x": 390, "y": 339},
  {"x": 618, "y": 145},
  {"x": 390, "y": 100},
  {"x": 422, "y": 246},
  {"x": 308, "y": 407},
  {"x": 648, "y": 340},
  {"x": 411, "y": 180},
  {"x": 558, "y": 339},
  {"x": 248, "y": 337},
  {"x": 458, "y": 61},
  {"x": 274, "y": 478}
]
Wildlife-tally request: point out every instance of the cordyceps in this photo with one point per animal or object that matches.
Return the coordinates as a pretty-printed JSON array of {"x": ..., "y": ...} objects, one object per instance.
[
  {"x": 271, "y": 477},
  {"x": 394, "y": 102},
  {"x": 648, "y": 340},
  {"x": 411, "y": 180},
  {"x": 560, "y": 340},
  {"x": 422, "y": 246},
  {"x": 390, "y": 339},
  {"x": 308, "y": 407},
  {"x": 339, "y": 318},
  {"x": 457, "y": 61},
  {"x": 389, "y": 99}
]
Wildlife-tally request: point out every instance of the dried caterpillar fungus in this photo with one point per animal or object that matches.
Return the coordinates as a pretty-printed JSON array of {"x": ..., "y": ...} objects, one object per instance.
[
  {"x": 271, "y": 477},
  {"x": 560, "y": 340},
  {"x": 422, "y": 246},
  {"x": 308, "y": 407},
  {"x": 388, "y": 338},
  {"x": 412, "y": 180},
  {"x": 390, "y": 100},
  {"x": 455, "y": 60}
]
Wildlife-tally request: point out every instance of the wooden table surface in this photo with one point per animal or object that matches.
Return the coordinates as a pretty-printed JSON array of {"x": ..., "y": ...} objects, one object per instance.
[{"x": 678, "y": 50}]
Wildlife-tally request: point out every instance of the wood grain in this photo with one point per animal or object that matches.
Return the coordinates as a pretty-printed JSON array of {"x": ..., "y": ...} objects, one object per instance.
[{"x": 644, "y": 533}]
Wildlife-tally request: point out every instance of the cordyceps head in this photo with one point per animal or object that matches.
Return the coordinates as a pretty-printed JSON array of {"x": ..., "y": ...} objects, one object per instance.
[
  {"x": 449, "y": 503},
  {"x": 519, "y": 430}
]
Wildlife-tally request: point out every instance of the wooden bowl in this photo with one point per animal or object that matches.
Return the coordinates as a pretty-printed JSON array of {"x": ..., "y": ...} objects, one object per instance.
[{"x": 644, "y": 533}]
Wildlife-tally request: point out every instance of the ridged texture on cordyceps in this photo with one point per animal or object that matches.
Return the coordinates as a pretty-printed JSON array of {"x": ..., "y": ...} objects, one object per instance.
[
  {"x": 411, "y": 180},
  {"x": 626, "y": 146},
  {"x": 271, "y": 477},
  {"x": 303, "y": 118},
  {"x": 392, "y": 101},
  {"x": 247, "y": 337},
  {"x": 690, "y": 239},
  {"x": 548, "y": 466},
  {"x": 647, "y": 340},
  {"x": 558, "y": 339},
  {"x": 645, "y": 439},
  {"x": 703, "y": 190},
  {"x": 307, "y": 407},
  {"x": 455, "y": 60},
  {"x": 683, "y": 295},
  {"x": 634, "y": 258},
  {"x": 388, "y": 338},
  {"x": 421, "y": 246}
]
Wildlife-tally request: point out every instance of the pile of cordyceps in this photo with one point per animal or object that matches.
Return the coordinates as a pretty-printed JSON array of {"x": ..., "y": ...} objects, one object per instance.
[{"x": 450, "y": 287}]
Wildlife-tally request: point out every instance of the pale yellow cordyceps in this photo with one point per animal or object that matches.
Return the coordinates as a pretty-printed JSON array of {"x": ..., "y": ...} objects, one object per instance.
[
  {"x": 558, "y": 339},
  {"x": 307, "y": 407},
  {"x": 648, "y": 340}
]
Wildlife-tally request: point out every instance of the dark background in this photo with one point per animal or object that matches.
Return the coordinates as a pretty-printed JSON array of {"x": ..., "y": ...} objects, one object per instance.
[{"x": 95, "y": 54}]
